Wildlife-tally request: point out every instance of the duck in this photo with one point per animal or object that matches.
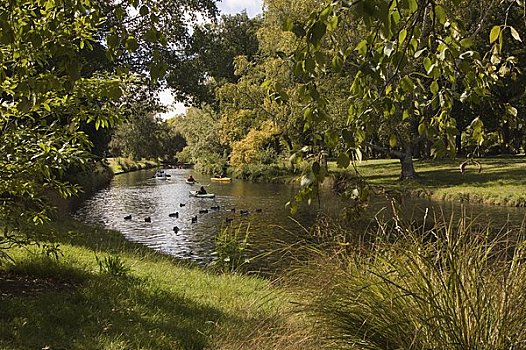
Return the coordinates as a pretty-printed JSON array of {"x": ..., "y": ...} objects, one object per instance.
[
  {"x": 244, "y": 212},
  {"x": 128, "y": 217},
  {"x": 194, "y": 219},
  {"x": 176, "y": 229},
  {"x": 147, "y": 219},
  {"x": 216, "y": 207},
  {"x": 182, "y": 204},
  {"x": 203, "y": 211},
  {"x": 229, "y": 220},
  {"x": 174, "y": 215}
]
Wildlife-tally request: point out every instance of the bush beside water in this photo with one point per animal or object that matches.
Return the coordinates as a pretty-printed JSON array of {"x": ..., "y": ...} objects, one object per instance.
[{"x": 448, "y": 286}]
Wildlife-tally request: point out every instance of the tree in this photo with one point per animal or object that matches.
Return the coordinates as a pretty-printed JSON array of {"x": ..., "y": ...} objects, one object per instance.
[
  {"x": 208, "y": 60},
  {"x": 199, "y": 129},
  {"x": 44, "y": 99},
  {"x": 412, "y": 61}
]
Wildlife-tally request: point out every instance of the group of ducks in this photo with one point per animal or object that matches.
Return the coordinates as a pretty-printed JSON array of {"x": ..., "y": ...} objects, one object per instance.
[{"x": 201, "y": 211}]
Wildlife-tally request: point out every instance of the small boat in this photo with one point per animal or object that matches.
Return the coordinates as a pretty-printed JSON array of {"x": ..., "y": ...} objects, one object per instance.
[
  {"x": 221, "y": 179},
  {"x": 201, "y": 195},
  {"x": 161, "y": 175},
  {"x": 190, "y": 182}
]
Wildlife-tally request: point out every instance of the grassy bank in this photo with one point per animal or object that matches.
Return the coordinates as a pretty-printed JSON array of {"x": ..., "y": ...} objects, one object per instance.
[
  {"x": 500, "y": 182},
  {"x": 121, "y": 165},
  {"x": 107, "y": 293}
]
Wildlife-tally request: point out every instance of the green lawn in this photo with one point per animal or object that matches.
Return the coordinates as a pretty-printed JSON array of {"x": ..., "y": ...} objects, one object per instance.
[
  {"x": 138, "y": 300},
  {"x": 122, "y": 165},
  {"x": 502, "y": 181}
]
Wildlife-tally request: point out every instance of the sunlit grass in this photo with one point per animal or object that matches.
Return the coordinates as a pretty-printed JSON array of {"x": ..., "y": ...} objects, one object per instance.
[
  {"x": 121, "y": 165},
  {"x": 153, "y": 303},
  {"x": 500, "y": 182}
]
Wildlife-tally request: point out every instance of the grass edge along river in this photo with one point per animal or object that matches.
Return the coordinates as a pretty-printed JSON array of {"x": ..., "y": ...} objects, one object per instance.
[{"x": 107, "y": 293}]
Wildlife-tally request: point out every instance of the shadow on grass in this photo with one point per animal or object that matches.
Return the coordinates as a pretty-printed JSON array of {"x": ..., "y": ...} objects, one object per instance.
[
  {"x": 445, "y": 173},
  {"x": 48, "y": 304},
  {"x": 107, "y": 312}
]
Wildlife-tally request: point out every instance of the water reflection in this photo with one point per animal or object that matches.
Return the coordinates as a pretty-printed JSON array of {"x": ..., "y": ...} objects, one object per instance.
[{"x": 140, "y": 195}]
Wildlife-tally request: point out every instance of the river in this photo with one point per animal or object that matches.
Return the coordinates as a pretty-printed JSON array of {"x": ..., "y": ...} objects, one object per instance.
[{"x": 140, "y": 195}]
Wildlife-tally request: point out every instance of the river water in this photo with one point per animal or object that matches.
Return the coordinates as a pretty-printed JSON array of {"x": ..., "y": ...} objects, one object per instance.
[{"x": 140, "y": 195}]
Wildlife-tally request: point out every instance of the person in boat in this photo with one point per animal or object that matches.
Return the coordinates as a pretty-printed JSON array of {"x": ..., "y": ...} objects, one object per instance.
[
  {"x": 201, "y": 190},
  {"x": 190, "y": 179}
]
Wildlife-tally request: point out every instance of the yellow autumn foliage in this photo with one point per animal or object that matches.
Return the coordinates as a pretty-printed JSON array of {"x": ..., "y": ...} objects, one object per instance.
[{"x": 251, "y": 149}]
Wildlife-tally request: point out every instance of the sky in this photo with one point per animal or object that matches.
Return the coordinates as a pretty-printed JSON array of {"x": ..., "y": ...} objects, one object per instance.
[{"x": 253, "y": 8}]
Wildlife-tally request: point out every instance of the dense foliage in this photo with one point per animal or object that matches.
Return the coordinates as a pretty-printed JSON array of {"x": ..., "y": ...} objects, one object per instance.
[{"x": 66, "y": 68}]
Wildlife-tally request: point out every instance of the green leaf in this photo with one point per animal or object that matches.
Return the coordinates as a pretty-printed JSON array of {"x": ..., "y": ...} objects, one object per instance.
[
  {"x": 412, "y": 5},
  {"x": 434, "y": 87},
  {"x": 402, "y": 35},
  {"x": 343, "y": 160},
  {"x": 515, "y": 34},
  {"x": 466, "y": 43},
  {"x": 288, "y": 24},
  {"x": 393, "y": 141},
  {"x": 407, "y": 84},
  {"x": 362, "y": 47},
  {"x": 494, "y": 34},
  {"x": 347, "y": 136},
  {"x": 298, "y": 30},
  {"x": 427, "y": 64},
  {"x": 131, "y": 44},
  {"x": 317, "y": 32},
  {"x": 511, "y": 110},
  {"x": 440, "y": 14},
  {"x": 422, "y": 129},
  {"x": 144, "y": 10},
  {"x": 151, "y": 35},
  {"x": 112, "y": 41},
  {"x": 337, "y": 63},
  {"x": 119, "y": 13},
  {"x": 332, "y": 23},
  {"x": 308, "y": 114}
]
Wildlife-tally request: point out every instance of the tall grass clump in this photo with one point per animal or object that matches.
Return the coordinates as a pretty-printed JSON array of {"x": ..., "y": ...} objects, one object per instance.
[
  {"x": 448, "y": 285},
  {"x": 231, "y": 248}
]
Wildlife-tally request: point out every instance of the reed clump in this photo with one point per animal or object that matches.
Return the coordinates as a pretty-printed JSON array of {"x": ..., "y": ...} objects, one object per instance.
[{"x": 444, "y": 285}]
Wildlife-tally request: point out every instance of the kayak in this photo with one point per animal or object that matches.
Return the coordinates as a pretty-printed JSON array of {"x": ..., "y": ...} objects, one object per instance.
[
  {"x": 220, "y": 179},
  {"x": 205, "y": 195}
]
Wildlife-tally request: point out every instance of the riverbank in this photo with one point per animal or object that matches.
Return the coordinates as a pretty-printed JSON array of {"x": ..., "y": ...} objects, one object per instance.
[
  {"x": 498, "y": 181},
  {"x": 120, "y": 165},
  {"x": 107, "y": 293}
]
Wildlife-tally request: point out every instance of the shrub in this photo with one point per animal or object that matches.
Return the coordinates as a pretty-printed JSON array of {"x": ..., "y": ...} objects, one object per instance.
[
  {"x": 231, "y": 248},
  {"x": 112, "y": 265},
  {"x": 450, "y": 286}
]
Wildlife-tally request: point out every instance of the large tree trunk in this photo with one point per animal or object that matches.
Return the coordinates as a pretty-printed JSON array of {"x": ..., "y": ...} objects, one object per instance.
[{"x": 406, "y": 161}]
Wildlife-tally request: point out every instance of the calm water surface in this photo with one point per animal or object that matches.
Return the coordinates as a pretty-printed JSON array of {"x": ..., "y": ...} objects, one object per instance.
[{"x": 139, "y": 195}]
